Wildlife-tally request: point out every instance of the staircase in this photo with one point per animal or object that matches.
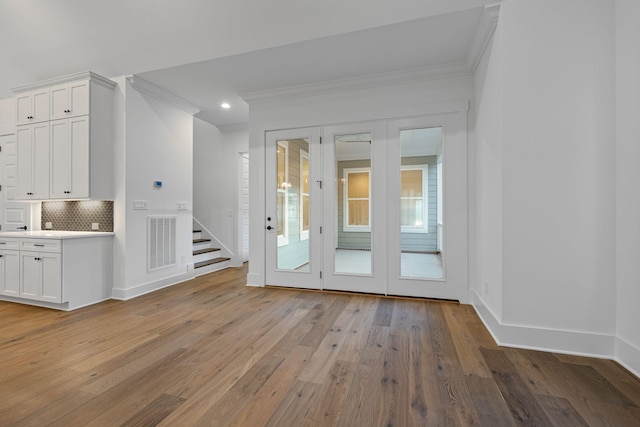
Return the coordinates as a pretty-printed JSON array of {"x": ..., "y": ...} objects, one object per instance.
[{"x": 206, "y": 259}]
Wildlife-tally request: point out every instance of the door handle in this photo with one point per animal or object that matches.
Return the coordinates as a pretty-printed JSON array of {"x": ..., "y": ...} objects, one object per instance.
[
  {"x": 22, "y": 228},
  {"x": 269, "y": 227}
]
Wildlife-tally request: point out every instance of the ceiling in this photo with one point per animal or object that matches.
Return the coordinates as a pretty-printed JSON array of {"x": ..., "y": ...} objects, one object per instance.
[{"x": 209, "y": 51}]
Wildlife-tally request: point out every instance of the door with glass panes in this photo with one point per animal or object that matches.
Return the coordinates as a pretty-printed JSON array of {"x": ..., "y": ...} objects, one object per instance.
[{"x": 375, "y": 207}]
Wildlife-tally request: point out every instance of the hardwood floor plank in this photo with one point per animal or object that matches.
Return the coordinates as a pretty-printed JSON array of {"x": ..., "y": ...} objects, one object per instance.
[
  {"x": 561, "y": 412},
  {"x": 154, "y": 412},
  {"x": 331, "y": 397},
  {"x": 524, "y": 406},
  {"x": 363, "y": 401},
  {"x": 296, "y": 406},
  {"x": 213, "y": 351},
  {"x": 384, "y": 313},
  {"x": 469, "y": 355},
  {"x": 395, "y": 405},
  {"x": 261, "y": 407},
  {"x": 453, "y": 391},
  {"x": 323, "y": 358},
  {"x": 489, "y": 403},
  {"x": 599, "y": 385},
  {"x": 236, "y": 399}
]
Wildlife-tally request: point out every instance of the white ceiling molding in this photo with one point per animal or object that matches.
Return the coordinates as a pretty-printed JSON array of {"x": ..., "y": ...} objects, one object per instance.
[
  {"x": 356, "y": 83},
  {"x": 146, "y": 87},
  {"x": 484, "y": 31},
  {"x": 85, "y": 75}
]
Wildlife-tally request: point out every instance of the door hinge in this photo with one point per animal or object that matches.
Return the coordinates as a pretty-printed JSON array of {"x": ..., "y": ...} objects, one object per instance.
[
  {"x": 321, "y": 274},
  {"x": 320, "y": 140},
  {"x": 320, "y": 229},
  {"x": 319, "y": 183}
]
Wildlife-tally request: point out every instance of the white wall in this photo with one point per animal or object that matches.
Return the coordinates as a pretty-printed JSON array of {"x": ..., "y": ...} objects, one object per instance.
[
  {"x": 156, "y": 144},
  {"x": 7, "y": 116},
  {"x": 486, "y": 180},
  {"x": 215, "y": 181},
  {"x": 627, "y": 179},
  {"x": 549, "y": 126}
]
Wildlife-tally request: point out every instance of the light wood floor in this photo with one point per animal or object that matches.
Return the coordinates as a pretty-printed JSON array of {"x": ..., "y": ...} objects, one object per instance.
[{"x": 214, "y": 352}]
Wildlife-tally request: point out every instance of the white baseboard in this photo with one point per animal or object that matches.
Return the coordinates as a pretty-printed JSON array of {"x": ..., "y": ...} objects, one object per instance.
[
  {"x": 145, "y": 288},
  {"x": 628, "y": 355},
  {"x": 579, "y": 343}
]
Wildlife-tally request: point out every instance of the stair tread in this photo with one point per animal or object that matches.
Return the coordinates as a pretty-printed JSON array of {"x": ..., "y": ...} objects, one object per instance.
[
  {"x": 204, "y": 251},
  {"x": 201, "y": 240},
  {"x": 209, "y": 262}
]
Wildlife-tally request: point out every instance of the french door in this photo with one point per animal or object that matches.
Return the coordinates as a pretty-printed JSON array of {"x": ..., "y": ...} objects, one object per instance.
[
  {"x": 376, "y": 207},
  {"x": 293, "y": 208}
]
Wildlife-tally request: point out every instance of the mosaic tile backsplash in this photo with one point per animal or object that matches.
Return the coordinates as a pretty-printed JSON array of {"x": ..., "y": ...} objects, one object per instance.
[{"x": 78, "y": 215}]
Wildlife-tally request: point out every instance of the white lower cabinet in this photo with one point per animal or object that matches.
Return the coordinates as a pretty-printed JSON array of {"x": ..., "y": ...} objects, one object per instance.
[
  {"x": 32, "y": 269},
  {"x": 10, "y": 273},
  {"x": 63, "y": 273},
  {"x": 41, "y": 276}
]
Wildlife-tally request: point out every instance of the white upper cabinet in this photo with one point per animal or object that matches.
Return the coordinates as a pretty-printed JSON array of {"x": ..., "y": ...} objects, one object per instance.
[
  {"x": 78, "y": 159},
  {"x": 70, "y": 158},
  {"x": 69, "y": 100},
  {"x": 33, "y": 162},
  {"x": 32, "y": 106}
]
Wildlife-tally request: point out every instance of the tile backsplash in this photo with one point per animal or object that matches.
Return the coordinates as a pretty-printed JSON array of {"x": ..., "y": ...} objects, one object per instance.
[{"x": 78, "y": 215}]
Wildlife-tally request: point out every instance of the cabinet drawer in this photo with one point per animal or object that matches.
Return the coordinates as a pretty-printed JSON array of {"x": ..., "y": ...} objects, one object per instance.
[
  {"x": 41, "y": 245},
  {"x": 9, "y": 243}
]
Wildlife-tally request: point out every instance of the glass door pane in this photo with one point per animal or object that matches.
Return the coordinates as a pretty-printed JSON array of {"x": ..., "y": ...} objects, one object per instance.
[
  {"x": 353, "y": 205},
  {"x": 293, "y": 243},
  {"x": 420, "y": 206}
]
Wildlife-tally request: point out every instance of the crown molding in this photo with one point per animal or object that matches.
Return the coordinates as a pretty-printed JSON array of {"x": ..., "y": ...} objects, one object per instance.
[
  {"x": 356, "y": 83},
  {"x": 146, "y": 87},
  {"x": 85, "y": 75},
  {"x": 484, "y": 32}
]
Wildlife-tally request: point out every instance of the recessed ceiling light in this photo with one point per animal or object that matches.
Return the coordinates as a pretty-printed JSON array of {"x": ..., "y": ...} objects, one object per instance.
[{"x": 225, "y": 105}]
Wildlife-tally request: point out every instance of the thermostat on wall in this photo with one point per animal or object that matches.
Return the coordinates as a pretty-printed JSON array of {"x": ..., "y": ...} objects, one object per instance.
[{"x": 157, "y": 184}]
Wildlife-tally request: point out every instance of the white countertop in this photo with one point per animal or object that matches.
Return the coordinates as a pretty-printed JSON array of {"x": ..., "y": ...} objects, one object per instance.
[{"x": 55, "y": 234}]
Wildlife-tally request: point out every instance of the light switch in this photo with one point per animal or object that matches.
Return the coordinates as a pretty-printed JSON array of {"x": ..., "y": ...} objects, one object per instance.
[
  {"x": 182, "y": 206},
  {"x": 139, "y": 204},
  {"x": 48, "y": 225},
  {"x": 95, "y": 226}
]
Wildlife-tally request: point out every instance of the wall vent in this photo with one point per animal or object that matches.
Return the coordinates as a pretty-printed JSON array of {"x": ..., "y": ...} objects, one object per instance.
[{"x": 161, "y": 242}]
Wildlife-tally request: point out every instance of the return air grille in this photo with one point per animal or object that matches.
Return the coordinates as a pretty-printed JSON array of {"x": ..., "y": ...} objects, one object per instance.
[{"x": 161, "y": 244}]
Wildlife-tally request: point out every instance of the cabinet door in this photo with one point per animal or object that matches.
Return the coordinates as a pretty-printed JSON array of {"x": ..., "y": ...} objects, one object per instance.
[
  {"x": 51, "y": 286},
  {"x": 40, "y": 105},
  {"x": 24, "y": 162},
  {"x": 70, "y": 158},
  {"x": 79, "y": 137},
  {"x": 60, "y": 159},
  {"x": 30, "y": 275},
  {"x": 10, "y": 273},
  {"x": 59, "y": 102},
  {"x": 40, "y": 161},
  {"x": 79, "y": 104},
  {"x": 32, "y": 107},
  {"x": 70, "y": 100},
  {"x": 23, "y": 109},
  {"x": 33, "y": 161}
]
